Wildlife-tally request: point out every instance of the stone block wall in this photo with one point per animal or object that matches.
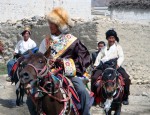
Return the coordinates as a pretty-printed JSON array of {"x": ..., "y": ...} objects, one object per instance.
[
  {"x": 10, "y": 33},
  {"x": 134, "y": 38}
]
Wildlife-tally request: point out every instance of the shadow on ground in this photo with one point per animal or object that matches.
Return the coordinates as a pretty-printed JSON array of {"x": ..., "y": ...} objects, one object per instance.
[{"x": 9, "y": 103}]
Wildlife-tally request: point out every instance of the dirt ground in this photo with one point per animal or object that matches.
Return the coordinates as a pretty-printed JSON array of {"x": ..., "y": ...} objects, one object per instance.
[{"x": 139, "y": 101}]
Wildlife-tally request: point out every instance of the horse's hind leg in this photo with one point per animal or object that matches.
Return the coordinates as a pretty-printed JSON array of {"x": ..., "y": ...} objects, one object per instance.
[{"x": 17, "y": 100}]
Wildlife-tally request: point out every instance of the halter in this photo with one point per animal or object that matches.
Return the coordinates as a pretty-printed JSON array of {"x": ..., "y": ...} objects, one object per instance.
[
  {"x": 40, "y": 72},
  {"x": 111, "y": 81},
  {"x": 44, "y": 73}
]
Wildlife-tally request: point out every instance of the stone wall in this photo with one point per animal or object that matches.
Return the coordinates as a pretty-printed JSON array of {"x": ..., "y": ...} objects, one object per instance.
[
  {"x": 134, "y": 38},
  {"x": 85, "y": 31},
  {"x": 10, "y": 33}
]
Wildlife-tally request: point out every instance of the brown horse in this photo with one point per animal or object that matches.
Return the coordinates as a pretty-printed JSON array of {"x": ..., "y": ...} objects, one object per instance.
[{"x": 44, "y": 88}]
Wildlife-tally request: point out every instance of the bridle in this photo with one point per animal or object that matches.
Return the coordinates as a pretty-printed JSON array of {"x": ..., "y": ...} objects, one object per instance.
[
  {"x": 114, "y": 81},
  {"x": 41, "y": 72},
  {"x": 45, "y": 73},
  {"x": 109, "y": 81}
]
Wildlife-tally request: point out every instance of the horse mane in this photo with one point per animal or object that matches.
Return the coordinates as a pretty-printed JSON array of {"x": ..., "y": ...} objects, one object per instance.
[
  {"x": 37, "y": 54},
  {"x": 109, "y": 74}
]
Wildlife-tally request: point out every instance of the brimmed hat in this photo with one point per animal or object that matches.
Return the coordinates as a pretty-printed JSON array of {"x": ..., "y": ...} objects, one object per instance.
[
  {"x": 112, "y": 33},
  {"x": 61, "y": 18},
  {"x": 26, "y": 29}
]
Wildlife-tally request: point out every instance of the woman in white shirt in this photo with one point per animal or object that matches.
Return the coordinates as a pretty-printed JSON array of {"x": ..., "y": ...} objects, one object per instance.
[
  {"x": 22, "y": 46},
  {"x": 112, "y": 51}
]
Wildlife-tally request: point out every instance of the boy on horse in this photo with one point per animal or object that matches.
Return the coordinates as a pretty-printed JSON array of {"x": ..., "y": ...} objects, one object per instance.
[
  {"x": 111, "y": 51},
  {"x": 22, "y": 46},
  {"x": 65, "y": 45}
]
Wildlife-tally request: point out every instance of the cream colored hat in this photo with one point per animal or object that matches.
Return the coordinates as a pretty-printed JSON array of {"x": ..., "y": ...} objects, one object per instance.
[
  {"x": 26, "y": 28},
  {"x": 61, "y": 18}
]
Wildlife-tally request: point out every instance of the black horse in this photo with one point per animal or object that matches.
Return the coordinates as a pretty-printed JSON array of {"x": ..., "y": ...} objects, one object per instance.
[
  {"x": 18, "y": 66},
  {"x": 111, "y": 91},
  {"x": 15, "y": 79}
]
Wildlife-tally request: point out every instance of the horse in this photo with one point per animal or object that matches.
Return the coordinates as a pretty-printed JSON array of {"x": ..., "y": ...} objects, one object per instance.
[
  {"x": 17, "y": 67},
  {"x": 15, "y": 79},
  {"x": 44, "y": 88},
  {"x": 111, "y": 90}
]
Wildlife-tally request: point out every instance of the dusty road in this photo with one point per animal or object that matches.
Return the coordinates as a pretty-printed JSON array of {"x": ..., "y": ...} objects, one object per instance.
[{"x": 139, "y": 101}]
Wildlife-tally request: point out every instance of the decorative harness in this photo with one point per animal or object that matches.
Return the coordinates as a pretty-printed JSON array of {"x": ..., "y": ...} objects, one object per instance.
[
  {"x": 119, "y": 85},
  {"x": 45, "y": 73}
]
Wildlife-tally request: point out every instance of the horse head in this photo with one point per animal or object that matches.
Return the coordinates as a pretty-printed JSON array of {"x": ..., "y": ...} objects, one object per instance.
[
  {"x": 34, "y": 66},
  {"x": 39, "y": 82},
  {"x": 110, "y": 81}
]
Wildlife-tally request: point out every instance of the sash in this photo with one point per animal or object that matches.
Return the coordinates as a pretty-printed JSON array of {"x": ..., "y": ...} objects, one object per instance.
[
  {"x": 70, "y": 40},
  {"x": 69, "y": 68}
]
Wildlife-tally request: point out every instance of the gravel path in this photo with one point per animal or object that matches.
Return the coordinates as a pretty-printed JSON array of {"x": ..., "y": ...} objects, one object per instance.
[{"x": 139, "y": 101}]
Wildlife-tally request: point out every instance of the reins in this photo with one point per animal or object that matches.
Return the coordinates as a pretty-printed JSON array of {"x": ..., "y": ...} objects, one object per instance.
[{"x": 45, "y": 73}]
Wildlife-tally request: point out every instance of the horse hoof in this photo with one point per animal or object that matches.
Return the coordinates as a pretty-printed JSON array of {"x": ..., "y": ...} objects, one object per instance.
[
  {"x": 17, "y": 103},
  {"x": 126, "y": 102},
  {"x": 22, "y": 102}
]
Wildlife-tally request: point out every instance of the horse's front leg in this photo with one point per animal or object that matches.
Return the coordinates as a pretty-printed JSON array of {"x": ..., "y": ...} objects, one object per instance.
[
  {"x": 17, "y": 94},
  {"x": 118, "y": 110},
  {"x": 108, "y": 113},
  {"x": 31, "y": 106},
  {"x": 21, "y": 93}
]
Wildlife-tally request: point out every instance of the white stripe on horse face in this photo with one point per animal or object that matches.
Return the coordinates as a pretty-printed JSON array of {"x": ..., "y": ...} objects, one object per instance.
[{"x": 109, "y": 74}]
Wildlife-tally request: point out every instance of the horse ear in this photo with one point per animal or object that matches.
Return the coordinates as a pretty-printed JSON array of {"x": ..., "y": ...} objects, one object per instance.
[{"x": 47, "y": 54}]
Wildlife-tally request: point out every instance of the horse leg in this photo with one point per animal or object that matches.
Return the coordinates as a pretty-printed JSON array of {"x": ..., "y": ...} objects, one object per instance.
[
  {"x": 108, "y": 113},
  {"x": 17, "y": 100},
  {"x": 31, "y": 106},
  {"x": 21, "y": 94},
  {"x": 118, "y": 110}
]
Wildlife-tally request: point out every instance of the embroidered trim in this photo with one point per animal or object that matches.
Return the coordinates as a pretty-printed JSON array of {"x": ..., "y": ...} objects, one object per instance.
[{"x": 70, "y": 40}]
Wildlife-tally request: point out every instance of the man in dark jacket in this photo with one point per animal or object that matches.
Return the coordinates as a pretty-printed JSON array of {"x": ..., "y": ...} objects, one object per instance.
[{"x": 100, "y": 44}]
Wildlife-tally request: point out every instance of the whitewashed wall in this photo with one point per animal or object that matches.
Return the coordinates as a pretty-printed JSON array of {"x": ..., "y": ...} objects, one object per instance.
[
  {"x": 131, "y": 15},
  {"x": 18, "y": 9}
]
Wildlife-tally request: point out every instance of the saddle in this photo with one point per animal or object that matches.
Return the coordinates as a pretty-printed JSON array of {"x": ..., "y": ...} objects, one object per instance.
[
  {"x": 99, "y": 83},
  {"x": 15, "y": 67},
  {"x": 19, "y": 58}
]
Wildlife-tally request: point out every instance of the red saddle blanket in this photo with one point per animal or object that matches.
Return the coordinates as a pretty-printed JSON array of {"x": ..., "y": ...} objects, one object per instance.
[{"x": 14, "y": 68}]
